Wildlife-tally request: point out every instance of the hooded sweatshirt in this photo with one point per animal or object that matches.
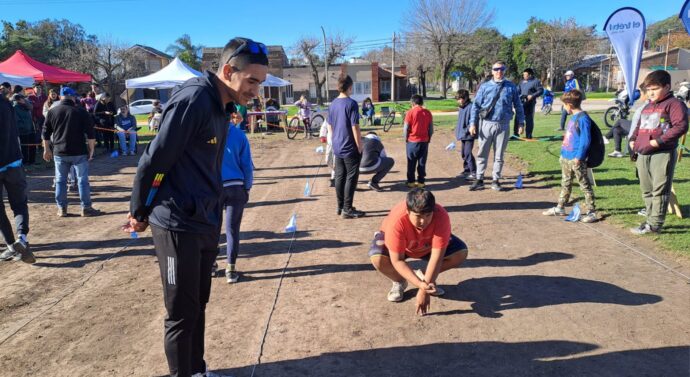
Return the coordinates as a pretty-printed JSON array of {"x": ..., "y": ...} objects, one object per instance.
[{"x": 665, "y": 121}]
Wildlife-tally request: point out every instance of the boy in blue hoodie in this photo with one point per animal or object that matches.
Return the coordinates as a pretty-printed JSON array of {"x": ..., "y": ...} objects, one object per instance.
[
  {"x": 462, "y": 134},
  {"x": 238, "y": 175},
  {"x": 573, "y": 154}
]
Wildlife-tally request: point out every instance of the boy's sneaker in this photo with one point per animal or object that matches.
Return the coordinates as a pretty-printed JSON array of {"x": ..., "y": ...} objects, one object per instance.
[
  {"x": 477, "y": 185},
  {"x": 645, "y": 228},
  {"x": 469, "y": 176},
  {"x": 591, "y": 217},
  {"x": 332, "y": 184},
  {"x": 62, "y": 211},
  {"x": 89, "y": 212},
  {"x": 397, "y": 291},
  {"x": 439, "y": 290},
  {"x": 9, "y": 254},
  {"x": 375, "y": 186},
  {"x": 606, "y": 141},
  {"x": 353, "y": 213},
  {"x": 214, "y": 269},
  {"x": 338, "y": 211},
  {"x": 642, "y": 212},
  {"x": 411, "y": 185},
  {"x": 25, "y": 254},
  {"x": 231, "y": 276},
  {"x": 420, "y": 185},
  {"x": 496, "y": 185},
  {"x": 616, "y": 154},
  {"x": 554, "y": 211}
]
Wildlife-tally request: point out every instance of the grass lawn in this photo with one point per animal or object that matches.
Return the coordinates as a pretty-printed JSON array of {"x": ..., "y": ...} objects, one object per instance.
[{"x": 617, "y": 193}]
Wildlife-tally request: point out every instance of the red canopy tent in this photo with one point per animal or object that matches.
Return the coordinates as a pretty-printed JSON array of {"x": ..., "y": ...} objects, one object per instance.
[{"x": 23, "y": 65}]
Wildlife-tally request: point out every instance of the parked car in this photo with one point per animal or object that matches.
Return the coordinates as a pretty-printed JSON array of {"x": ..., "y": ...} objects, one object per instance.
[{"x": 142, "y": 106}]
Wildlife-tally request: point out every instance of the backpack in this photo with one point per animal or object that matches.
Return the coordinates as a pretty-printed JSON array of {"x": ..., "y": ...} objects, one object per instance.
[{"x": 597, "y": 149}]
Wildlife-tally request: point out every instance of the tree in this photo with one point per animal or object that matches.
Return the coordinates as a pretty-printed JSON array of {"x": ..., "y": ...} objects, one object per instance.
[
  {"x": 446, "y": 25},
  {"x": 656, "y": 32},
  {"x": 483, "y": 47},
  {"x": 419, "y": 59},
  {"x": 44, "y": 40},
  {"x": 310, "y": 51},
  {"x": 188, "y": 52}
]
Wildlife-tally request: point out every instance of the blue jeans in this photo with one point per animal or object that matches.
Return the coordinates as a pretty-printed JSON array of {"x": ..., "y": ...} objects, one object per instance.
[
  {"x": 132, "y": 141},
  {"x": 62, "y": 167},
  {"x": 564, "y": 116},
  {"x": 416, "y": 160}
]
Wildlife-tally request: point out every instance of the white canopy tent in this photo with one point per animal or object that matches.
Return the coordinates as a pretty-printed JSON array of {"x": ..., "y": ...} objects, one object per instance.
[
  {"x": 282, "y": 85},
  {"x": 24, "y": 81},
  {"x": 169, "y": 76}
]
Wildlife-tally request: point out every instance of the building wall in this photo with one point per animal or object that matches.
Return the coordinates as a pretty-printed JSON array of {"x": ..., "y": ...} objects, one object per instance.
[{"x": 301, "y": 78}]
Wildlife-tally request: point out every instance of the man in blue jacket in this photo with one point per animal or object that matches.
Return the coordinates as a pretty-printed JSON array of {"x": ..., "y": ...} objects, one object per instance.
[
  {"x": 529, "y": 89},
  {"x": 490, "y": 118},
  {"x": 178, "y": 190}
]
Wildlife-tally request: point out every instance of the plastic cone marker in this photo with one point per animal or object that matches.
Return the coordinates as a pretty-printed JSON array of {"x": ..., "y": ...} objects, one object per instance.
[
  {"x": 133, "y": 235},
  {"x": 307, "y": 190},
  {"x": 114, "y": 154},
  {"x": 292, "y": 224},
  {"x": 319, "y": 149},
  {"x": 574, "y": 216},
  {"x": 518, "y": 183},
  {"x": 450, "y": 146}
]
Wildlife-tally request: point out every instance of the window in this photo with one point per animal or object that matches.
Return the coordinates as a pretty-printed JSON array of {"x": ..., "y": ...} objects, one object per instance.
[
  {"x": 385, "y": 87},
  {"x": 362, "y": 87}
]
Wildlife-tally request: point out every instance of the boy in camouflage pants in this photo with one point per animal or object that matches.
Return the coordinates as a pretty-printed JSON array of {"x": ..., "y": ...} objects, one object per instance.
[{"x": 573, "y": 154}]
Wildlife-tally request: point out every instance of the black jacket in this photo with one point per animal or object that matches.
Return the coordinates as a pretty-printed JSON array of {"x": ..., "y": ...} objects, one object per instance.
[
  {"x": 68, "y": 124},
  {"x": 9, "y": 136},
  {"x": 178, "y": 183}
]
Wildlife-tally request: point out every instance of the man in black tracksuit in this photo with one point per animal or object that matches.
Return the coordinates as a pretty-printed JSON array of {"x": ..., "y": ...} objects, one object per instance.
[{"x": 178, "y": 189}]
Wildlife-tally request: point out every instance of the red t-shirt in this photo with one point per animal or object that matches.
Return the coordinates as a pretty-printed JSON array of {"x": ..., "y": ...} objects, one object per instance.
[
  {"x": 401, "y": 235},
  {"x": 418, "y": 120}
]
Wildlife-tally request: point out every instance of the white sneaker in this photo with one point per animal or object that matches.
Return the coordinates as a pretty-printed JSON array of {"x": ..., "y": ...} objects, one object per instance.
[
  {"x": 232, "y": 276},
  {"x": 616, "y": 154},
  {"x": 397, "y": 291},
  {"x": 554, "y": 211},
  {"x": 439, "y": 290},
  {"x": 606, "y": 140}
]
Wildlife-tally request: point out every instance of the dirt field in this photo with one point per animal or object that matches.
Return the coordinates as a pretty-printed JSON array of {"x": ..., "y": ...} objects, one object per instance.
[{"x": 537, "y": 297}]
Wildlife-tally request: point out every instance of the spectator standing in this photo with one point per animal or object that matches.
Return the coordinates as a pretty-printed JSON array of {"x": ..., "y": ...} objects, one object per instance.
[
  {"x": 25, "y": 125},
  {"x": 570, "y": 84},
  {"x": 104, "y": 111},
  {"x": 529, "y": 90},
  {"x": 462, "y": 134},
  {"x": 417, "y": 129}
]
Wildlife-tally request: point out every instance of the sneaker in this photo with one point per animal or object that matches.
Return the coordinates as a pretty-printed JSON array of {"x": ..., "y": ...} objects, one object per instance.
[
  {"x": 554, "y": 211},
  {"x": 645, "y": 228},
  {"x": 375, "y": 186},
  {"x": 62, "y": 211},
  {"x": 214, "y": 269},
  {"x": 132, "y": 153},
  {"x": 338, "y": 211},
  {"x": 420, "y": 185},
  {"x": 353, "y": 213},
  {"x": 477, "y": 185},
  {"x": 9, "y": 254},
  {"x": 642, "y": 212},
  {"x": 411, "y": 185},
  {"x": 616, "y": 154},
  {"x": 606, "y": 141},
  {"x": 23, "y": 249},
  {"x": 72, "y": 188},
  {"x": 397, "y": 291},
  {"x": 591, "y": 217},
  {"x": 470, "y": 177},
  {"x": 231, "y": 276},
  {"x": 439, "y": 290},
  {"x": 89, "y": 211},
  {"x": 332, "y": 184},
  {"x": 496, "y": 185}
]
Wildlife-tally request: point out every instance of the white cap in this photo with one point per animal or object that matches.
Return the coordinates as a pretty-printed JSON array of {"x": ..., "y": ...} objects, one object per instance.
[{"x": 570, "y": 73}]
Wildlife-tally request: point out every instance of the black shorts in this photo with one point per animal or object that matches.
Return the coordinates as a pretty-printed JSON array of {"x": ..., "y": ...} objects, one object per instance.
[{"x": 455, "y": 245}]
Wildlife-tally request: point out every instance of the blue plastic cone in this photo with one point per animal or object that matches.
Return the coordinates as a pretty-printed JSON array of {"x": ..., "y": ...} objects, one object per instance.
[
  {"x": 292, "y": 224},
  {"x": 518, "y": 183},
  {"x": 114, "y": 154},
  {"x": 574, "y": 216},
  {"x": 319, "y": 149},
  {"x": 450, "y": 146},
  {"x": 133, "y": 235},
  {"x": 307, "y": 190}
]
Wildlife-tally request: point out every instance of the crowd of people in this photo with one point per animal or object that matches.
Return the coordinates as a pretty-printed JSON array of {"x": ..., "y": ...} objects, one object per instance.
[{"x": 200, "y": 164}]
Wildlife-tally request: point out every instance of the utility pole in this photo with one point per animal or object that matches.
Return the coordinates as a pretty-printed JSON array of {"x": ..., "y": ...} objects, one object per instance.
[
  {"x": 608, "y": 74},
  {"x": 668, "y": 43},
  {"x": 393, "y": 71},
  {"x": 551, "y": 64},
  {"x": 325, "y": 60}
]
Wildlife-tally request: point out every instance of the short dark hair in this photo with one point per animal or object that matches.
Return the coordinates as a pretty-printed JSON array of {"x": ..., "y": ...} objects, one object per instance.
[
  {"x": 529, "y": 71},
  {"x": 464, "y": 94},
  {"x": 417, "y": 99},
  {"x": 501, "y": 62},
  {"x": 6, "y": 85},
  {"x": 660, "y": 77},
  {"x": 573, "y": 98},
  {"x": 344, "y": 83},
  {"x": 243, "y": 59},
  {"x": 17, "y": 89},
  {"x": 420, "y": 200}
]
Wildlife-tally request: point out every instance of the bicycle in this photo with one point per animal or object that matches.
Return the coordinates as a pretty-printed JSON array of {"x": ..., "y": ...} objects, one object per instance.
[
  {"x": 297, "y": 126},
  {"x": 389, "y": 118}
]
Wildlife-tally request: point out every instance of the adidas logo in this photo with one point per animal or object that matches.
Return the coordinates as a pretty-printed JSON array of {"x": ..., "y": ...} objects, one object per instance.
[{"x": 212, "y": 141}]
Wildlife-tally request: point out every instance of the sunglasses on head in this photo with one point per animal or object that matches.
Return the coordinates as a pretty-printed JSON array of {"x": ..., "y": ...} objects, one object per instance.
[
  {"x": 498, "y": 69},
  {"x": 250, "y": 46}
]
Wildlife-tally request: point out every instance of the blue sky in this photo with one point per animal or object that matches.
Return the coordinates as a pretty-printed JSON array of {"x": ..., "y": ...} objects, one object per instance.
[{"x": 157, "y": 23}]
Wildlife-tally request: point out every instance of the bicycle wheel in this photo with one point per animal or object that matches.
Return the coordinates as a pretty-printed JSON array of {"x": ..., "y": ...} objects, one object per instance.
[
  {"x": 546, "y": 109},
  {"x": 316, "y": 124},
  {"x": 611, "y": 115},
  {"x": 295, "y": 127},
  {"x": 388, "y": 122}
]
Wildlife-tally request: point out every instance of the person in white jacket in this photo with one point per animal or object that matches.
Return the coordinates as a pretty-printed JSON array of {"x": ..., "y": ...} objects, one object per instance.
[{"x": 326, "y": 138}]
